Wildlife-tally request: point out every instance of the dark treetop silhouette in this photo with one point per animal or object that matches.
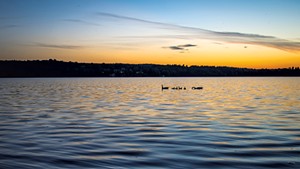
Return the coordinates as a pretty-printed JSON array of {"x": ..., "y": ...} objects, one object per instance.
[{"x": 54, "y": 68}]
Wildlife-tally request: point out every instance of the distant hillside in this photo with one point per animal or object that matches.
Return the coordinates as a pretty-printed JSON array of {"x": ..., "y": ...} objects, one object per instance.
[{"x": 54, "y": 68}]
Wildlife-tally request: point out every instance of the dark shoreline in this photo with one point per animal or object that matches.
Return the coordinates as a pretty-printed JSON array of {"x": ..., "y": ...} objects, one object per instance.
[{"x": 53, "y": 68}]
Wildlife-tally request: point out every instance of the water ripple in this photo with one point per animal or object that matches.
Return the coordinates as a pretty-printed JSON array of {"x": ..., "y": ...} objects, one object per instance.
[{"x": 131, "y": 123}]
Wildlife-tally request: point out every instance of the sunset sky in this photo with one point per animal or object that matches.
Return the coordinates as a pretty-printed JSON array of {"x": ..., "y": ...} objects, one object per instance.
[{"x": 240, "y": 33}]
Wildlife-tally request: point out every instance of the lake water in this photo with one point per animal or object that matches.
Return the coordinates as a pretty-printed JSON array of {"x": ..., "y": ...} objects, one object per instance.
[{"x": 120, "y": 123}]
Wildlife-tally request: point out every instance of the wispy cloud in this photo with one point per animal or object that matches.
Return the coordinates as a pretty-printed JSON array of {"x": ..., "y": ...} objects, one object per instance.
[
  {"x": 81, "y": 22},
  {"x": 44, "y": 45},
  {"x": 181, "y": 47},
  {"x": 187, "y": 46},
  {"x": 176, "y": 48},
  {"x": 131, "y": 19},
  {"x": 9, "y": 26},
  {"x": 229, "y": 37}
]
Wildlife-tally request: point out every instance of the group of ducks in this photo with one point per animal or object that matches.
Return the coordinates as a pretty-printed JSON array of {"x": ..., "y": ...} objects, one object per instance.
[{"x": 180, "y": 88}]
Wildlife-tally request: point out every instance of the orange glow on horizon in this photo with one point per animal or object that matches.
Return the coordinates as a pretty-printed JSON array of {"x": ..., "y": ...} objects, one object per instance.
[{"x": 206, "y": 53}]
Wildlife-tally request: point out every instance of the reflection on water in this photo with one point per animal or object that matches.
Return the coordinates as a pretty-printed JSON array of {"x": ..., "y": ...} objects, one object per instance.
[{"x": 131, "y": 123}]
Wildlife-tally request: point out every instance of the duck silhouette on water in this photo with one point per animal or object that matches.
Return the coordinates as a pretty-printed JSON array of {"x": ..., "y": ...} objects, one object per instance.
[
  {"x": 164, "y": 87},
  {"x": 180, "y": 88},
  {"x": 177, "y": 88},
  {"x": 197, "y": 88},
  {"x": 173, "y": 88}
]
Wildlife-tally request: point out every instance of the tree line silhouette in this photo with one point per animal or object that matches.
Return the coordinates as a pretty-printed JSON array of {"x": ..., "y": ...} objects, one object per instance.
[{"x": 54, "y": 68}]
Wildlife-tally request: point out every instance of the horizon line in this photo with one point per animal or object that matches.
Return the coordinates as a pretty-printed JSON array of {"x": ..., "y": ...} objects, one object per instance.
[{"x": 169, "y": 64}]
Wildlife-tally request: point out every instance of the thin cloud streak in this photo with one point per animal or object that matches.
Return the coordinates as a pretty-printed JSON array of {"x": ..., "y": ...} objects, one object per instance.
[
  {"x": 8, "y": 26},
  {"x": 181, "y": 47},
  {"x": 81, "y": 22},
  {"x": 132, "y": 19},
  {"x": 176, "y": 48},
  {"x": 44, "y": 45},
  {"x": 229, "y": 37},
  {"x": 187, "y": 46}
]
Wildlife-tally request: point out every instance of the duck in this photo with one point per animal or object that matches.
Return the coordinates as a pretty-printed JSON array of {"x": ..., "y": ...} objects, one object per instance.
[
  {"x": 164, "y": 87},
  {"x": 178, "y": 88},
  {"x": 197, "y": 88}
]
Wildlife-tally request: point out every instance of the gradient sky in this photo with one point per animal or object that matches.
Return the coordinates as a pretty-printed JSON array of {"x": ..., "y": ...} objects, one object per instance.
[{"x": 240, "y": 33}]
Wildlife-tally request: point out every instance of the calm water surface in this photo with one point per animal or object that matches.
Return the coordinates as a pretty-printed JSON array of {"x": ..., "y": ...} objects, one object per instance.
[{"x": 131, "y": 123}]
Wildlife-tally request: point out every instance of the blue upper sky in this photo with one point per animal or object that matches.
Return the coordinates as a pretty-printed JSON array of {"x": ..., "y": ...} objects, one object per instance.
[
  {"x": 255, "y": 16},
  {"x": 109, "y": 23}
]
